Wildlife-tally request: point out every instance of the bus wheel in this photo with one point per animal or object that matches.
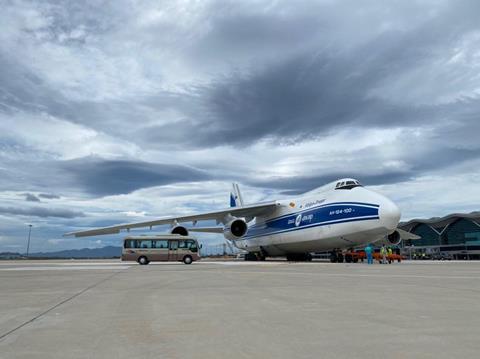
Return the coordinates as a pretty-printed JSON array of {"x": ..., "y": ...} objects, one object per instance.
[
  {"x": 143, "y": 260},
  {"x": 187, "y": 260}
]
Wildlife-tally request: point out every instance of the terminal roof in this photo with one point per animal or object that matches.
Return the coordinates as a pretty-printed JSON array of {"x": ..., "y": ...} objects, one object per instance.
[{"x": 441, "y": 222}]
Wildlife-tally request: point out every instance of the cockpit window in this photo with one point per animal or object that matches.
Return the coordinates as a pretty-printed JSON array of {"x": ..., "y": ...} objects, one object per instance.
[{"x": 347, "y": 184}]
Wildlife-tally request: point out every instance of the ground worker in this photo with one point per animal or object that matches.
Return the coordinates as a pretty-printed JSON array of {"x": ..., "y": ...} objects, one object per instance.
[
  {"x": 368, "y": 252},
  {"x": 383, "y": 253},
  {"x": 390, "y": 253}
]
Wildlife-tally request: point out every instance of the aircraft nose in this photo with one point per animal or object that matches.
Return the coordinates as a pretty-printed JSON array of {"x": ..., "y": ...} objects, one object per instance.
[{"x": 389, "y": 214}]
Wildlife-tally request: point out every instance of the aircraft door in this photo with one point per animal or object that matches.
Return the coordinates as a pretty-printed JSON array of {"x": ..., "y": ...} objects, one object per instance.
[{"x": 173, "y": 251}]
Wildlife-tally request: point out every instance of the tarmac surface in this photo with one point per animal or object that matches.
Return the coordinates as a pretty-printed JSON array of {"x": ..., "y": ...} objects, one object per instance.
[{"x": 277, "y": 309}]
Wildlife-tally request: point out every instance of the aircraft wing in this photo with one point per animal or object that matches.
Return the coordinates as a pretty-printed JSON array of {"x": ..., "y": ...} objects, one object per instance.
[
  {"x": 252, "y": 210},
  {"x": 206, "y": 229}
]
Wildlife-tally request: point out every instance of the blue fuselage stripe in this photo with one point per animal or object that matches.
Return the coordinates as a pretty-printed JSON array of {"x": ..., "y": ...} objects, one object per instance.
[
  {"x": 328, "y": 214},
  {"x": 311, "y": 226},
  {"x": 322, "y": 206}
]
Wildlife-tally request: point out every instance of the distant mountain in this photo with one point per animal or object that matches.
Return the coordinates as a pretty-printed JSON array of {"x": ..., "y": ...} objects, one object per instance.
[
  {"x": 10, "y": 255},
  {"x": 105, "y": 252}
]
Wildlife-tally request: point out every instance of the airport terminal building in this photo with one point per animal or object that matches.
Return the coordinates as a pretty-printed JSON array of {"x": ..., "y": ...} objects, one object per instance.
[{"x": 457, "y": 234}]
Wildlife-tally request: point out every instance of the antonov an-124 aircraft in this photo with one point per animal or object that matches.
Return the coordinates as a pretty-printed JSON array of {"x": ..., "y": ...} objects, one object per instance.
[{"x": 340, "y": 215}]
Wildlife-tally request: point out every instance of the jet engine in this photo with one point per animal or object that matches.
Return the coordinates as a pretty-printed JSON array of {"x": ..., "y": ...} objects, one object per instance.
[
  {"x": 235, "y": 229},
  {"x": 179, "y": 230},
  {"x": 394, "y": 238}
]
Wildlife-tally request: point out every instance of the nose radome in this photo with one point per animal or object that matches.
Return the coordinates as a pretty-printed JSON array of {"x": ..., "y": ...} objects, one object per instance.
[{"x": 389, "y": 214}]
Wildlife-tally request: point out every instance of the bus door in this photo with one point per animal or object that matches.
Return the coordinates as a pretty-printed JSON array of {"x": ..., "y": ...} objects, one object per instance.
[{"x": 173, "y": 251}]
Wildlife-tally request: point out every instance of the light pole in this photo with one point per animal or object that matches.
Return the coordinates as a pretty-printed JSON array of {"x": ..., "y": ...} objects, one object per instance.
[{"x": 29, "y": 233}]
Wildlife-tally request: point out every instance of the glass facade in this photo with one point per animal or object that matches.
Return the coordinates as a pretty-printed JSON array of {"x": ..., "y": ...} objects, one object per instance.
[
  {"x": 460, "y": 231},
  {"x": 473, "y": 238},
  {"x": 429, "y": 236}
]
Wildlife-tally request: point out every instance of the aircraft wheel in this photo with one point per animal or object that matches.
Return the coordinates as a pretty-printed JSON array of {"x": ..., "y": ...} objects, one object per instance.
[
  {"x": 340, "y": 257},
  {"x": 333, "y": 257},
  {"x": 250, "y": 256}
]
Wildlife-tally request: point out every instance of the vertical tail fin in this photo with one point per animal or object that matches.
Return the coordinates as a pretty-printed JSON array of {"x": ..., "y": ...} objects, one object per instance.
[{"x": 236, "y": 199}]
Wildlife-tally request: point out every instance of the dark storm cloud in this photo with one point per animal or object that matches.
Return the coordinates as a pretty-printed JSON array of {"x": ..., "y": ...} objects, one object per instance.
[
  {"x": 31, "y": 197},
  {"x": 93, "y": 176},
  {"x": 309, "y": 92},
  {"x": 41, "y": 212},
  {"x": 48, "y": 196},
  {"x": 108, "y": 177},
  {"x": 21, "y": 89}
]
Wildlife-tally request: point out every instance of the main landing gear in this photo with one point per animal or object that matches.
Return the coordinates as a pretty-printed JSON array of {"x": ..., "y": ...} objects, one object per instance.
[
  {"x": 251, "y": 256},
  {"x": 299, "y": 257},
  {"x": 336, "y": 256},
  {"x": 256, "y": 256}
]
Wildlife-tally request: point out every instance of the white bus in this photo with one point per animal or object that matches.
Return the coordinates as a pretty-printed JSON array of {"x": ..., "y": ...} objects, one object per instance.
[{"x": 165, "y": 248}]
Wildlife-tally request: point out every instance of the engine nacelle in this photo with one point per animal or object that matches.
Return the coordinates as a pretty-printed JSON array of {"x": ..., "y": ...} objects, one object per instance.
[
  {"x": 235, "y": 229},
  {"x": 181, "y": 230},
  {"x": 394, "y": 238}
]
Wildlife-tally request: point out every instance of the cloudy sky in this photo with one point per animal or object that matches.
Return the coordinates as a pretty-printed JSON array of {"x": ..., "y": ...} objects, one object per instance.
[{"x": 128, "y": 110}]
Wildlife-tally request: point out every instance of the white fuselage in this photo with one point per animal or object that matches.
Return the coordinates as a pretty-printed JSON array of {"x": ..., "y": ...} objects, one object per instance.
[{"x": 322, "y": 221}]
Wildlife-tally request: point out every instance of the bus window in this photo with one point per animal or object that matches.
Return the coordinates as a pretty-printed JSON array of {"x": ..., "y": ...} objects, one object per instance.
[
  {"x": 131, "y": 243},
  {"x": 160, "y": 244},
  {"x": 146, "y": 244},
  {"x": 192, "y": 245},
  {"x": 183, "y": 244},
  {"x": 173, "y": 245}
]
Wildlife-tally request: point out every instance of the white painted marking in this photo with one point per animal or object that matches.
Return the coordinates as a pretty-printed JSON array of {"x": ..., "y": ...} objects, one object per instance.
[
  {"x": 243, "y": 263},
  {"x": 47, "y": 268},
  {"x": 356, "y": 275},
  {"x": 7, "y": 263}
]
